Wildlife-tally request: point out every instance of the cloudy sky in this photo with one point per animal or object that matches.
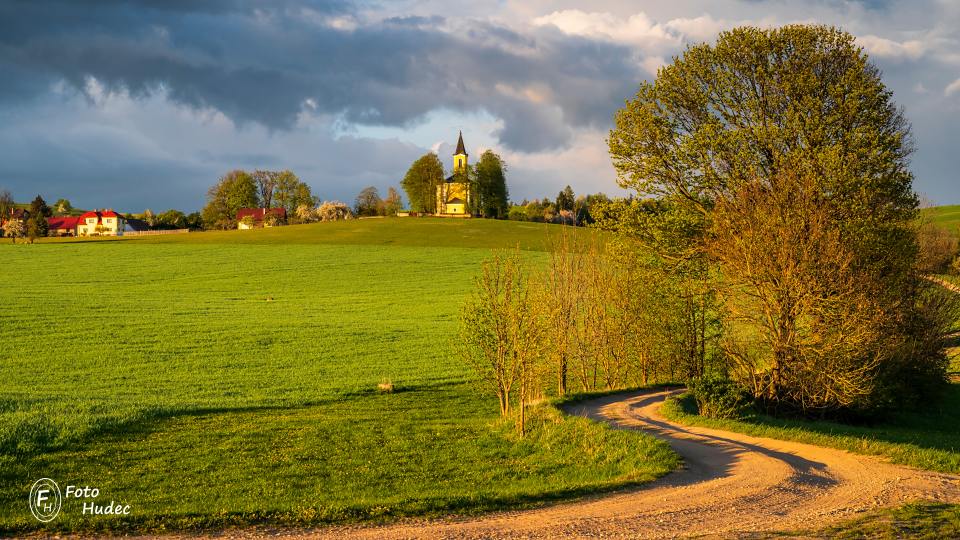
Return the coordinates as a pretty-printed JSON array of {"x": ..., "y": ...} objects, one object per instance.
[{"x": 145, "y": 103}]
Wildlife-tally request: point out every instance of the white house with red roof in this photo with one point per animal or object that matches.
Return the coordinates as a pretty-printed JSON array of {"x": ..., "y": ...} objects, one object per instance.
[{"x": 100, "y": 223}]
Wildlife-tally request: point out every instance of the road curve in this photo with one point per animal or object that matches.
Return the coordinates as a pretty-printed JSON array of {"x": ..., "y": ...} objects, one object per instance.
[{"x": 729, "y": 484}]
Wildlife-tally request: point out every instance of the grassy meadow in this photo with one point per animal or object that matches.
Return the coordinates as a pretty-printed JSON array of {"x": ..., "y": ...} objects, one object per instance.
[
  {"x": 226, "y": 378},
  {"x": 947, "y": 217}
]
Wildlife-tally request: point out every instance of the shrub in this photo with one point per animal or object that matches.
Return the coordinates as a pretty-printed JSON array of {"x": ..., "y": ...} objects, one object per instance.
[
  {"x": 937, "y": 248},
  {"x": 718, "y": 397},
  {"x": 518, "y": 213}
]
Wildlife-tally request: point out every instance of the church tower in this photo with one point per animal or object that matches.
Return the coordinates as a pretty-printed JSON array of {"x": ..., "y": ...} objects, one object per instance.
[{"x": 460, "y": 157}]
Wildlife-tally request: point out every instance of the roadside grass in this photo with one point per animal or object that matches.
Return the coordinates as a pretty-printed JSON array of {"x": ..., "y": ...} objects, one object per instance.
[
  {"x": 921, "y": 520},
  {"x": 411, "y": 232},
  {"x": 212, "y": 383},
  {"x": 927, "y": 439}
]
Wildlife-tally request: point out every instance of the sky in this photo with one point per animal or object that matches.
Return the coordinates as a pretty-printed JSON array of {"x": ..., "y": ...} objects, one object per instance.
[{"x": 146, "y": 103}]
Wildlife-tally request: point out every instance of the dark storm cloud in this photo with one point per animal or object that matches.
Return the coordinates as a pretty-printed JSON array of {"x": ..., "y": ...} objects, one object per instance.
[{"x": 260, "y": 62}]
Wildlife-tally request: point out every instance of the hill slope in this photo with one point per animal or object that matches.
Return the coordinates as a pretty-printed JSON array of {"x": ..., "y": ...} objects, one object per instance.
[{"x": 225, "y": 378}]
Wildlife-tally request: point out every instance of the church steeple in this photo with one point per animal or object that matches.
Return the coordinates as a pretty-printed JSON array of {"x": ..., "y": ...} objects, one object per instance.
[{"x": 460, "y": 156}]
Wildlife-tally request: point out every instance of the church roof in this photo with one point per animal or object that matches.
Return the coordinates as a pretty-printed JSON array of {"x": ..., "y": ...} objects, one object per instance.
[{"x": 460, "y": 148}]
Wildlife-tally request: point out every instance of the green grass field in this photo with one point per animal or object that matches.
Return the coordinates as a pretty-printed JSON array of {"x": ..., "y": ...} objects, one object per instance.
[
  {"x": 947, "y": 217},
  {"x": 407, "y": 232},
  {"x": 219, "y": 379}
]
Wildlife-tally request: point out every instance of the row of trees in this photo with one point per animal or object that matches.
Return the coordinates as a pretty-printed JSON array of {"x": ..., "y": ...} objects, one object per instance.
[
  {"x": 776, "y": 245},
  {"x": 486, "y": 179},
  {"x": 566, "y": 209},
  {"x": 258, "y": 189}
]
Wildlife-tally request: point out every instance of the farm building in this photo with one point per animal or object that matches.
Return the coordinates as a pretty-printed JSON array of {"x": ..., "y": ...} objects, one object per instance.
[
  {"x": 249, "y": 218},
  {"x": 62, "y": 226}
]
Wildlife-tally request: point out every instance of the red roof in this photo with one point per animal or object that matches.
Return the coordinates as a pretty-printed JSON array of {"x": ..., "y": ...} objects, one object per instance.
[
  {"x": 60, "y": 223},
  {"x": 258, "y": 213},
  {"x": 99, "y": 214}
]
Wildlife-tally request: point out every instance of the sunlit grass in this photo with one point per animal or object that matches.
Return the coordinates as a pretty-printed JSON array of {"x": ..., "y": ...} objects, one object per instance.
[{"x": 230, "y": 378}]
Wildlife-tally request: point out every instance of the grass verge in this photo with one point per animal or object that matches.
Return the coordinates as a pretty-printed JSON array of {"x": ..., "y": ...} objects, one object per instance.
[
  {"x": 927, "y": 439},
  {"x": 921, "y": 520}
]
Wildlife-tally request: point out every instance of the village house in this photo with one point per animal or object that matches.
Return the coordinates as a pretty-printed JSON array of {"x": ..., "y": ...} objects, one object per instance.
[
  {"x": 100, "y": 223},
  {"x": 249, "y": 218}
]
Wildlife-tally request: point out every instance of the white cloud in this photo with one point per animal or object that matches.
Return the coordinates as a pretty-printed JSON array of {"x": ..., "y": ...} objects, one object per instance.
[
  {"x": 702, "y": 28},
  {"x": 952, "y": 88},
  {"x": 887, "y": 48},
  {"x": 638, "y": 30}
]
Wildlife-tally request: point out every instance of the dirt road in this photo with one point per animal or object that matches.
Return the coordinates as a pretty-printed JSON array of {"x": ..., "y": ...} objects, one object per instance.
[{"x": 730, "y": 484}]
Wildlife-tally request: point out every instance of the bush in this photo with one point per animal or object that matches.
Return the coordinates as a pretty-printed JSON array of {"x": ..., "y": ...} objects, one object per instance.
[
  {"x": 937, "y": 248},
  {"x": 718, "y": 397},
  {"x": 518, "y": 213}
]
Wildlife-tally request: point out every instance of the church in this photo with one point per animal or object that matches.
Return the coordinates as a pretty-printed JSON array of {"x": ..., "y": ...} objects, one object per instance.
[{"x": 453, "y": 194}]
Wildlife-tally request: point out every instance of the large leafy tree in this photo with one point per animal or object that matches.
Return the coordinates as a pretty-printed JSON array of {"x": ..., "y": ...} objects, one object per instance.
[
  {"x": 368, "y": 202},
  {"x": 490, "y": 186},
  {"x": 290, "y": 193},
  {"x": 748, "y": 137},
  {"x": 266, "y": 182},
  {"x": 421, "y": 181},
  {"x": 235, "y": 190}
]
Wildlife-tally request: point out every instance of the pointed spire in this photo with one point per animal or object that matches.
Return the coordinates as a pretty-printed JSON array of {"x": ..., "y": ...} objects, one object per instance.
[{"x": 460, "y": 148}]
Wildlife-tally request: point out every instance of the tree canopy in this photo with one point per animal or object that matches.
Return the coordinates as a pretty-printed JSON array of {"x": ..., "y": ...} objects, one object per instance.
[
  {"x": 778, "y": 157},
  {"x": 421, "y": 181},
  {"x": 235, "y": 190},
  {"x": 368, "y": 202},
  {"x": 490, "y": 186}
]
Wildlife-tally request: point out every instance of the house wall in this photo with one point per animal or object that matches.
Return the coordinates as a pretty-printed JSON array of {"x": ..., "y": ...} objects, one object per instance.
[{"x": 111, "y": 226}]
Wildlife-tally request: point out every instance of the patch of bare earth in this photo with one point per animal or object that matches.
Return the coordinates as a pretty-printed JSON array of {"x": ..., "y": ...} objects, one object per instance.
[{"x": 730, "y": 485}]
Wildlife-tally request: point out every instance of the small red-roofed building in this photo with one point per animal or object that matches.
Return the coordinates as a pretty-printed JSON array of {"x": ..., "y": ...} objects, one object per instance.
[
  {"x": 62, "y": 226},
  {"x": 249, "y": 218}
]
